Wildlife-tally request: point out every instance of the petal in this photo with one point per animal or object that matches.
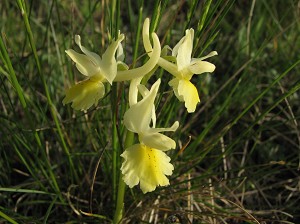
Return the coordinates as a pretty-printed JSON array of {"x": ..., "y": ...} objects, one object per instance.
[
  {"x": 211, "y": 54},
  {"x": 144, "y": 91},
  {"x": 176, "y": 48},
  {"x": 95, "y": 58},
  {"x": 158, "y": 141},
  {"x": 174, "y": 84},
  {"x": 172, "y": 128},
  {"x": 147, "y": 166},
  {"x": 84, "y": 94},
  {"x": 189, "y": 93},
  {"x": 185, "y": 50},
  {"x": 112, "y": 48},
  {"x": 199, "y": 67},
  {"x": 120, "y": 53},
  {"x": 109, "y": 63},
  {"x": 83, "y": 63},
  {"x": 138, "y": 117},
  {"x": 153, "y": 139}
]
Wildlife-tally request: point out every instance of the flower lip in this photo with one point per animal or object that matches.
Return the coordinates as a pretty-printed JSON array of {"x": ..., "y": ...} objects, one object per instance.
[
  {"x": 84, "y": 94},
  {"x": 147, "y": 166}
]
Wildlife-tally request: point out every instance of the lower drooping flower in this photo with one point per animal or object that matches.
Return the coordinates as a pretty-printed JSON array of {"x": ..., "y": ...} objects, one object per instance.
[
  {"x": 147, "y": 166},
  {"x": 84, "y": 94}
]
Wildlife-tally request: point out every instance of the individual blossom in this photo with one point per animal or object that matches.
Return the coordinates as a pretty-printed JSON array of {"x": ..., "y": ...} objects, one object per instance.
[
  {"x": 99, "y": 70},
  {"x": 184, "y": 67},
  {"x": 146, "y": 163}
]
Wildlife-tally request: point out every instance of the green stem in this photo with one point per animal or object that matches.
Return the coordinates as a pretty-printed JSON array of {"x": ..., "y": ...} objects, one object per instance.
[
  {"x": 120, "y": 201},
  {"x": 121, "y": 189},
  {"x": 114, "y": 140}
]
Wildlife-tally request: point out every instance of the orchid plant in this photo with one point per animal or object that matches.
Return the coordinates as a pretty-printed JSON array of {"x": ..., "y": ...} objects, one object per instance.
[{"x": 145, "y": 163}]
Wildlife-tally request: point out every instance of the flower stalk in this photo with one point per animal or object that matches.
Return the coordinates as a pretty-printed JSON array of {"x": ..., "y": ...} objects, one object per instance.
[{"x": 122, "y": 186}]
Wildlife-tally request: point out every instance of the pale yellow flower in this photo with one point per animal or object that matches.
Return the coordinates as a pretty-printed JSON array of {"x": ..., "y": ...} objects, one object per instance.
[
  {"x": 97, "y": 70},
  {"x": 106, "y": 69},
  {"x": 184, "y": 67},
  {"x": 146, "y": 163}
]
